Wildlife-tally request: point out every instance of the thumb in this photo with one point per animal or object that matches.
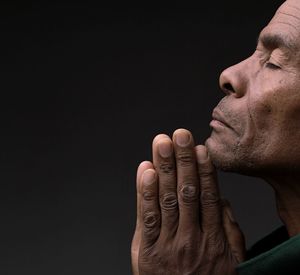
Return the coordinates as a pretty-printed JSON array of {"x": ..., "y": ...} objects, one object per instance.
[{"x": 233, "y": 233}]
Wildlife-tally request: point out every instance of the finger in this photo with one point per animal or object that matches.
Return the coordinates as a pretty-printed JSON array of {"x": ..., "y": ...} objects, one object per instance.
[
  {"x": 187, "y": 180},
  {"x": 141, "y": 169},
  {"x": 150, "y": 208},
  {"x": 211, "y": 215},
  {"x": 135, "y": 245},
  {"x": 163, "y": 160},
  {"x": 233, "y": 233}
]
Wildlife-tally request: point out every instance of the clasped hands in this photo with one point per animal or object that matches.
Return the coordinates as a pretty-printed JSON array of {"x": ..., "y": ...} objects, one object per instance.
[{"x": 183, "y": 226}]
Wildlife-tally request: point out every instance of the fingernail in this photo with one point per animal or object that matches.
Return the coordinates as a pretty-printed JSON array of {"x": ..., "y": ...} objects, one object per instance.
[
  {"x": 149, "y": 176},
  {"x": 183, "y": 139},
  {"x": 202, "y": 155},
  {"x": 165, "y": 148}
]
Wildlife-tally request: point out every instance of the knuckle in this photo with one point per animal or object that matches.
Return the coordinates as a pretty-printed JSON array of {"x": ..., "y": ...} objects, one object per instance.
[
  {"x": 206, "y": 172},
  {"x": 149, "y": 195},
  {"x": 166, "y": 167},
  {"x": 148, "y": 258},
  {"x": 209, "y": 198},
  {"x": 185, "y": 158},
  {"x": 216, "y": 246},
  {"x": 151, "y": 220},
  {"x": 186, "y": 249},
  {"x": 168, "y": 201},
  {"x": 188, "y": 193}
]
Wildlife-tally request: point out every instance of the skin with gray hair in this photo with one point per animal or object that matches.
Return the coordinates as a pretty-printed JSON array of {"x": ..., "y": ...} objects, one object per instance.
[{"x": 183, "y": 227}]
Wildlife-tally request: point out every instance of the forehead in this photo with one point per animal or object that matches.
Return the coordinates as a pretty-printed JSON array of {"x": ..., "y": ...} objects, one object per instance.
[
  {"x": 283, "y": 31},
  {"x": 286, "y": 21}
]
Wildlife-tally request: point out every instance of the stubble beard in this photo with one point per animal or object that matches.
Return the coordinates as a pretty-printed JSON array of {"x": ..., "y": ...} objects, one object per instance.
[{"x": 235, "y": 158}]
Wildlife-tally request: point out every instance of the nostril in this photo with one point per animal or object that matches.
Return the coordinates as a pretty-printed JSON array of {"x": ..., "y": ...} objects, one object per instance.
[{"x": 228, "y": 87}]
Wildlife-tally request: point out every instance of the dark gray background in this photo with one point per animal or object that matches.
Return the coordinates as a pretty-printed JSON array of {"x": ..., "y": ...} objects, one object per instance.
[{"x": 84, "y": 89}]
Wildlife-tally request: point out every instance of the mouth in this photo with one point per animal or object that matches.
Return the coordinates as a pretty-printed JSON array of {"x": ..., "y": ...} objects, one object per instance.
[{"x": 218, "y": 120}]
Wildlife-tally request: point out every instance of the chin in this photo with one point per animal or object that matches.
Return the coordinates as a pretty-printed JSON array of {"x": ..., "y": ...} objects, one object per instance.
[{"x": 230, "y": 158}]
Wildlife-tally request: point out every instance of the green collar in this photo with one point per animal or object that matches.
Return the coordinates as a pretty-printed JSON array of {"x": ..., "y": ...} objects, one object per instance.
[{"x": 284, "y": 258}]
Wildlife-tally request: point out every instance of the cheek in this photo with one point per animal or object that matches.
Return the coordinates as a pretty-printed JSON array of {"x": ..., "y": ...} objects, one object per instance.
[
  {"x": 275, "y": 112},
  {"x": 265, "y": 102},
  {"x": 261, "y": 114},
  {"x": 262, "y": 117}
]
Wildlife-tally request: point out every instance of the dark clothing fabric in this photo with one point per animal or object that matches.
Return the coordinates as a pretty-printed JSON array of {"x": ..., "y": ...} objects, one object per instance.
[{"x": 276, "y": 254}]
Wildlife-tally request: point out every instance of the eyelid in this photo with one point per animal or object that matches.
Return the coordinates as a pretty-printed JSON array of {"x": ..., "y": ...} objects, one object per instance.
[
  {"x": 272, "y": 65},
  {"x": 271, "y": 62},
  {"x": 276, "y": 60},
  {"x": 267, "y": 59}
]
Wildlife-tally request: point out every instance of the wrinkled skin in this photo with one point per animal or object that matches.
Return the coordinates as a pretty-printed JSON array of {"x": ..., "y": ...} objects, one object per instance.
[
  {"x": 183, "y": 227},
  {"x": 262, "y": 103}
]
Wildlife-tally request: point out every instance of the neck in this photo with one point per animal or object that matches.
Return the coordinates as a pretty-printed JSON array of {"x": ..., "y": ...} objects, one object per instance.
[{"x": 287, "y": 194}]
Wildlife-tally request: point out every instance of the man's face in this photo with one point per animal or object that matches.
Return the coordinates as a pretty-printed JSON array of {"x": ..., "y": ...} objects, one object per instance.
[{"x": 262, "y": 103}]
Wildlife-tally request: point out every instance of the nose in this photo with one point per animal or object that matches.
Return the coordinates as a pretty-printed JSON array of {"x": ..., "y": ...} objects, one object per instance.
[{"x": 233, "y": 80}]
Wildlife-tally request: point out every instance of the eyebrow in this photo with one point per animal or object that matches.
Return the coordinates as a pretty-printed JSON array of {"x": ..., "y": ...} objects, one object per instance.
[{"x": 273, "y": 41}]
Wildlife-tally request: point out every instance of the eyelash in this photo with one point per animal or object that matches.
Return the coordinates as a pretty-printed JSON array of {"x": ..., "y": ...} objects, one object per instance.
[{"x": 271, "y": 65}]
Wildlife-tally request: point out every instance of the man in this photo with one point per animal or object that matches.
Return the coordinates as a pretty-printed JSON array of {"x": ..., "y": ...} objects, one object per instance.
[{"x": 183, "y": 227}]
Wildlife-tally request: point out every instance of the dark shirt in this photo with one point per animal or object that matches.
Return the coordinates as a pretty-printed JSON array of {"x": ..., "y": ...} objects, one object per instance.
[{"x": 276, "y": 254}]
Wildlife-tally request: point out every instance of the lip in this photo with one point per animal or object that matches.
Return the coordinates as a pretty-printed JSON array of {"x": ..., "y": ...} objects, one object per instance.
[
  {"x": 216, "y": 123},
  {"x": 218, "y": 120}
]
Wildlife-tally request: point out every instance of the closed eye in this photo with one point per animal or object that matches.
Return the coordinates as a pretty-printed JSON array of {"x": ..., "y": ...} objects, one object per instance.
[{"x": 272, "y": 66}]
